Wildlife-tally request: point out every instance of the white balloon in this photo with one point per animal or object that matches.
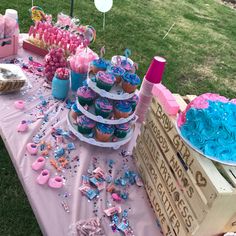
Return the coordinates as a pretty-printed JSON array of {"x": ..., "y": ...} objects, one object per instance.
[{"x": 103, "y": 5}]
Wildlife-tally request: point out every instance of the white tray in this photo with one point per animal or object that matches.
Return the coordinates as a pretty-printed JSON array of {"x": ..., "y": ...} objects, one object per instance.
[
  {"x": 216, "y": 159},
  {"x": 115, "y": 145},
  {"x": 116, "y": 93},
  {"x": 91, "y": 114}
]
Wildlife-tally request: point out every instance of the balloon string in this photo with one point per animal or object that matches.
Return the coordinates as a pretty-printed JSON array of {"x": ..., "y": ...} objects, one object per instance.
[{"x": 104, "y": 19}]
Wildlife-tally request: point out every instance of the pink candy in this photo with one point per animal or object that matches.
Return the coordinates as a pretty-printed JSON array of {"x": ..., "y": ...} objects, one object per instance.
[
  {"x": 116, "y": 197},
  {"x": 112, "y": 210}
]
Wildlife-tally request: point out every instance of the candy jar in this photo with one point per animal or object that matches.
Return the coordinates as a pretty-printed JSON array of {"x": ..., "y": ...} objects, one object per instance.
[
  {"x": 53, "y": 60},
  {"x": 61, "y": 83}
]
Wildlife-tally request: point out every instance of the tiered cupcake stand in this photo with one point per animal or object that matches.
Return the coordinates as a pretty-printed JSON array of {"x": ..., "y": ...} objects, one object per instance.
[{"x": 116, "y": 94}]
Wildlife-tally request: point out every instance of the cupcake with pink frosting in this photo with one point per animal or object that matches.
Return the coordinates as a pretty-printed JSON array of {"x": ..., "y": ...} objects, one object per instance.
[
  {"x": 105, "y": 80},
  {"x": 86, "y": 95},
  {"x": 85, "y": 125},
  {"x": 103, "y": 107}
]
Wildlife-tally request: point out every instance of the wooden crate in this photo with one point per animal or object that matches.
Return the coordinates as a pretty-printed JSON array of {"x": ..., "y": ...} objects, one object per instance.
[{"x": 198, "y": 196}]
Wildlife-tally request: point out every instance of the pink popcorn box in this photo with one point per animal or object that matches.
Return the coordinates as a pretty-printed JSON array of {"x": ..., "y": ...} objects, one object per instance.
[
  {"x": 162, "y": 93},
  {"x": 9, "y": 46},
  {"x": 171, "y": 107}
]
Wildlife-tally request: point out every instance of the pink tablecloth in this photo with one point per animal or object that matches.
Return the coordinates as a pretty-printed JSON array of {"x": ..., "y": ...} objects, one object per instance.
[{"x": 46, "y": 202}]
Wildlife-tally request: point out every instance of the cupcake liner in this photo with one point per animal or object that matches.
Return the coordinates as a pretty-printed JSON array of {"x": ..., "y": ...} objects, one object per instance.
[
  {"x": 104, "y": 86},
  {"x": 102, "y": 137},
  {"x": 128, "y": 88}
]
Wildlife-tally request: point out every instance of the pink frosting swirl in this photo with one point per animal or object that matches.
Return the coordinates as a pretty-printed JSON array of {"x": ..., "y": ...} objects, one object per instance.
[
  {"x": 86, "y": 92},
  {"x": 105, "y": 77}
]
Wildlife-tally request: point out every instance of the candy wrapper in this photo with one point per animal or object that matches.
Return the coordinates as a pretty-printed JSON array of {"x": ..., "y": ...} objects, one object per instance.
[
  {"x": 2, "y": 25},
  {"x": 79, "y": 63}
]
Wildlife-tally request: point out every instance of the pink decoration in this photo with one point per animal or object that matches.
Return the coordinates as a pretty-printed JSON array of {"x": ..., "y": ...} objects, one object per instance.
[
  {"x": 156, "y": 70},
  {"x": 53, "y": 60},
  {"x": 79, "y": 63},
  {"x": 62, "y": 73}
]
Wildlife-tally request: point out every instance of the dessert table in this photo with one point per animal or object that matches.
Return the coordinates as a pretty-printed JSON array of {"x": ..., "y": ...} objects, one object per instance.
[{"x": 43, "y": 115}]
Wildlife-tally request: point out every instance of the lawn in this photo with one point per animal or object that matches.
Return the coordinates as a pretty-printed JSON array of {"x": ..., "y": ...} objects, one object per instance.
[{"x": 200, "y": 51}]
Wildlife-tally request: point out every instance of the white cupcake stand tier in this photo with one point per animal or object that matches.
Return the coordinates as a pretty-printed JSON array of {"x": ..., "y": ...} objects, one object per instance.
[
  {"x": 116, "y": 93},
  {"x": 115, "y": 145},
  {"x": 91, "y": 114}
]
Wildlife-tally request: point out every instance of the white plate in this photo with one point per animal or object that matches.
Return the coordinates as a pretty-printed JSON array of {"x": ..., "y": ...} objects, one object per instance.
[
  {"x": 92, "y": 141},
  {"x": 216, "y": 159},
  {"x": 91, "y": 114},
  {"x": 116, "y": 93}
]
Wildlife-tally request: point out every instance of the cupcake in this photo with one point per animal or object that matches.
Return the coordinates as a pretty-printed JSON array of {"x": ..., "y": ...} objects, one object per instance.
[
  {"x": 104, "y": 132},
  {"x": 122, "y": 130},
  {"x": 85, "y": 125},
  {"x": 75, "y": 112},
  {"x": 122, "y": 109},
  {"x": 103, "y": 107},
  {"x": 98, "y": 65},
  {"x": 125, "y": 64},
  {"x": 105, "y": 80},
  {"x": 86, "y": 95},
  {"x": 117, "y": 71},
  {"x": 133, "y": 101},
  {"x": 130, "y": 82}
]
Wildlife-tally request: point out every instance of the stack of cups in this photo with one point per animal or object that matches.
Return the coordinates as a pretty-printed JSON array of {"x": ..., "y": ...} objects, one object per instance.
[{"x": 153, "y": 76}]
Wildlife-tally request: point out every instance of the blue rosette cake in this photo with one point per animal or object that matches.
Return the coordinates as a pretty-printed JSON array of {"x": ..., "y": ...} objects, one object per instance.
[{"x": 209, "y": 125}]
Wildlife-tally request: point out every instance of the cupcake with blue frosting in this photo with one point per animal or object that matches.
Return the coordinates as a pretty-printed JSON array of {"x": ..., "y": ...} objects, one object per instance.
[
  {"x": 104, "y": 132},
  {"x": 117, "y": 71},
  {"x": 130, "y": 82},
  {"x": 122, "y": 130},
  {"x": 98, "y": 65},
  {"x": 122, "y": 109},
  {"x": 103, "y": 107},
  {"x": 75, "y": 112},
  {"x": 133, "y": 101},
  {"x": 85, "y": 125}
]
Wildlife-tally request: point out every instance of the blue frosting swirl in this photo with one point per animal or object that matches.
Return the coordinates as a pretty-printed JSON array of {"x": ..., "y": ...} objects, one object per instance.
[
  {"x": 104, "y": 128},
  {"x": 75, "y": 108},
  {"x": 123, "y": 106},
  {"x": 116, "y": 70},
  {"x": 131, "y": 78},
  {"x": 100, "y": 63},
  {"x": 212, "y": 130}
]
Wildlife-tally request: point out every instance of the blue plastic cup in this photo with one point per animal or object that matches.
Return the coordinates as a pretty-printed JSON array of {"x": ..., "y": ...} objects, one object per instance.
[
  {"x": 77, "y": 80},
  {"x": 60, "y": 88}
]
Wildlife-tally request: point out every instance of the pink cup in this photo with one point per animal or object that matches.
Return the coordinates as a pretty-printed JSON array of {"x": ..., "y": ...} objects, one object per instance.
[{"x": 156, "y": 70}]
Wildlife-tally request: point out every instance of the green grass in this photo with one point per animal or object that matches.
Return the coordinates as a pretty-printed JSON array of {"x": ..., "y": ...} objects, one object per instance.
[{"x": 200, "y": 52}]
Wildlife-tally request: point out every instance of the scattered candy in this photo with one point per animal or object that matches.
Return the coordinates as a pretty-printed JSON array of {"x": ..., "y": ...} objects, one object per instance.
[
  {"x": 65, "y": 206},
  {"x": 112, "y": 210},
  {"x": 116, "y": 197}
]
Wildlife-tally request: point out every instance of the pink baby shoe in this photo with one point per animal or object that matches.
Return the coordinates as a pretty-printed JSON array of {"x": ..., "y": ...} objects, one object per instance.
[
  {"x": 19, "y": 104},
  {"x": 39, "y": 163},
  {"x": 55, "y": 182},
  {"x": 43, "y": 177},
  {"x": 32, "y": 148},
  {"x": 23, "y": 126}
]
